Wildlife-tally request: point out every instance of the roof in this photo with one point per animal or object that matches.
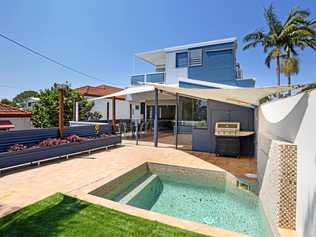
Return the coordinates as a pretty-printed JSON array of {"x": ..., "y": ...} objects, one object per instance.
[
  {"x": 247, "y": 97},
  {"x": 206, "y": 84},
  {"x": 33, "y": 99},
  {"x": 6, "y": 124},
  {"x": 97, "y": 91},
  {"x": 128, "y": 91},
  {"x": 10, "y": 111},
  {"x": 157, "y": 57}
]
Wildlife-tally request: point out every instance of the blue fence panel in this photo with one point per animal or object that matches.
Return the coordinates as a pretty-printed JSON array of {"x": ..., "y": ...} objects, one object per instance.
[
  {"x": 106, "y": 128},
  {"x": 83, "y": 131}
]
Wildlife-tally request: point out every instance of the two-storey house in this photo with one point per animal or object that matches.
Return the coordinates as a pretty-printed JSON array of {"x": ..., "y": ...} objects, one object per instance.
[
  {"x": 190, "y": 121},
  {"x": 210, "y": 64}
]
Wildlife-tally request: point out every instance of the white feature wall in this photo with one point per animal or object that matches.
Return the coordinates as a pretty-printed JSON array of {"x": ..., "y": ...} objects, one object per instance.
[
  {"x": 20, "y": 123},
  {"x": 294, "y": 120},
  {"x": 172, "y": 73},
  {"x": 122, "y": 108}
]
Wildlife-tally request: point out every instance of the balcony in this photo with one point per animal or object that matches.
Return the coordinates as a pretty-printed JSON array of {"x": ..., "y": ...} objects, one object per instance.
[{"x": 140, "y": 79}]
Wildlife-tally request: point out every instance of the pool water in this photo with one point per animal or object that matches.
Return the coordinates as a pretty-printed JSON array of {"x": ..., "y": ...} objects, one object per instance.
[
  {"x": 184, "y": 196},
  {"x": 210, "y": 206}
]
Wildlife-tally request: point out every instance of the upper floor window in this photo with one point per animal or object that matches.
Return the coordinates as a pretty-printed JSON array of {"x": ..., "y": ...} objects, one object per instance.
[
  {"x": 195, "y": 57},
  {"x": 182, "y": 59}
]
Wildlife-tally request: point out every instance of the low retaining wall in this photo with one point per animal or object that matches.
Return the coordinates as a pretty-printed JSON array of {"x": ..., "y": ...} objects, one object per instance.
[
  {"x": 11, "y": 159},
  {"x": 34, "y": 136},
  {"x": 29, "y": 137}
]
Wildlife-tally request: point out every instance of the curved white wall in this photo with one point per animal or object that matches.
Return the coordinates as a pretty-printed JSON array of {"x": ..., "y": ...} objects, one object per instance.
[{"x": 294, "y": 120}]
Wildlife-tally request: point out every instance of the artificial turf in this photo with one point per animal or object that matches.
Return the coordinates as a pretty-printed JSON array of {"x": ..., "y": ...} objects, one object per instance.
[{"x": 61, "y": 215}]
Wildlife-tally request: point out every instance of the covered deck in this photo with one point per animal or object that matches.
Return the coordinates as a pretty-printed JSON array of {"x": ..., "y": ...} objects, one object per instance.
[{"x": 185, "y": 118}]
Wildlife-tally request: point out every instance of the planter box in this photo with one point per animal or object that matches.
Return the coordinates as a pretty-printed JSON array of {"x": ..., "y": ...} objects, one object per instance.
[{"x": 10, "y": 159}]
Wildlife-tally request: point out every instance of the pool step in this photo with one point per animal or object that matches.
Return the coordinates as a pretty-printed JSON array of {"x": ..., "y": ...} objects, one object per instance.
[{"x": 129, "y": 196}]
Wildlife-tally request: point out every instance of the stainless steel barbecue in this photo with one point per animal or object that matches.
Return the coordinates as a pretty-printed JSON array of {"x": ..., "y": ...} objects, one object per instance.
[
  {"x": 227, "y": 129},
  {"x": 228, "y": 136},
  {"x": 230, "y": 129}
]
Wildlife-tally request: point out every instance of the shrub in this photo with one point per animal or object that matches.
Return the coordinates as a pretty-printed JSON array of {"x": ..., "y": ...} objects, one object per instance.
[{"x": 17, "y": 147}]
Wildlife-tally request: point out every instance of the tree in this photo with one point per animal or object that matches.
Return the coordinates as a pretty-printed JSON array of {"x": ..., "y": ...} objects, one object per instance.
[
  {"x": 281, "y": 39},
  {"x": 290, "y": 66},
  {"x": 24, "y": 95},
  {"x": 270, "y": 41},
  {"x": 8, "y": 102},
  {"x": 45, "y": 112},
  {"x": 301, "y": 34}
]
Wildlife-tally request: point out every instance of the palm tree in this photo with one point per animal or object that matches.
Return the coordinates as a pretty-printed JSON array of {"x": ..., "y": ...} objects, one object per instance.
[
  {"x": 290, "y": 66},
  {"x": 282, "y": 40},
  {"x": 300, "y": 33},
  {"x": 270, "y": 41}
]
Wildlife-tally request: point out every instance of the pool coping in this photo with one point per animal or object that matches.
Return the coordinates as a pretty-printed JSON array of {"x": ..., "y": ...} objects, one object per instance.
[{"x": 83, "y": 193}]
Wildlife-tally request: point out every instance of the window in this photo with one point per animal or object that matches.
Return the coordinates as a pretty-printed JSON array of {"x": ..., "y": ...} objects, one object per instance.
[
  {"x": 195, "y": 58},
  {"x": 182, "y": 59},
  {"x": 193, "y": 112}
]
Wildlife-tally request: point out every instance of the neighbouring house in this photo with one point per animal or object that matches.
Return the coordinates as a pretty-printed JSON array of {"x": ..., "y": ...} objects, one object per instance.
[
  {"x": 12, "y": 118},
  {"x": 28, "y": 103},
  {"x": 104, "y": 106}
]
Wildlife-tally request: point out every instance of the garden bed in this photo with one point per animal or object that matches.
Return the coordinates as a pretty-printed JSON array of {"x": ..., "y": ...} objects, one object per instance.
[{"x": 39, "y": 153}]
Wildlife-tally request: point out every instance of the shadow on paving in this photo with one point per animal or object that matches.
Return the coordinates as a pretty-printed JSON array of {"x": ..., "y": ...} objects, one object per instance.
[{"x": 41, "y": 219}]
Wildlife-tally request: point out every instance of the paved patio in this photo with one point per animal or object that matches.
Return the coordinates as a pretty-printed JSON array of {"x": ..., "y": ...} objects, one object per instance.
[
  {"x": 239, "y": 167},
  {"x": 78, "y": 175}
]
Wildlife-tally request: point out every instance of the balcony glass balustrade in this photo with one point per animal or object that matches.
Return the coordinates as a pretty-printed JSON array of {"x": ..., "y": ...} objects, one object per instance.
[{"x": 157, "y": 77}]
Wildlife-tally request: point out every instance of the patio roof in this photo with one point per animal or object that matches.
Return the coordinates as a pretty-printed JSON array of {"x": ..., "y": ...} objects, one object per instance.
[
  {"x": 128, "y": 91},
  {"x": 239, "y": 96},
  {"x": 247, "y": 97}
]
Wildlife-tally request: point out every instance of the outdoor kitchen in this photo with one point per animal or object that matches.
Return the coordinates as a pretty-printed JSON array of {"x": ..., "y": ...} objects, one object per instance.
[{"x": 228, "y": 138}]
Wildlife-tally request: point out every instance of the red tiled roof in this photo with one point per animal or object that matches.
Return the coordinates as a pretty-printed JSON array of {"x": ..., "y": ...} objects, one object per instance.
[
  {"x": 97, "y": 91},
  {"x": 10, "y": 111},
  {"x": 6, "y": 124}
]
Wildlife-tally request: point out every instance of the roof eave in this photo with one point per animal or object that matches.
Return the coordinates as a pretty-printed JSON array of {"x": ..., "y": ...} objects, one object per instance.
[{"x": 144, "y": 55}]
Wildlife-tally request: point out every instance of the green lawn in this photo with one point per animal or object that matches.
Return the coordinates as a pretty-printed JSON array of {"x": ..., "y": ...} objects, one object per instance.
[{"x": 61, "y": 215}]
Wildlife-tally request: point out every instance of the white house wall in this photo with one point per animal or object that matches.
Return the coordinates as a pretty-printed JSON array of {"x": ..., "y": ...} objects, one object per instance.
[
  {"x": 20, "y": 123},
  {"x": 172, "y": 73},
  {"x": 149, "y": 96},
  {"x": 122, "y": 108},
  {"x": 293, "y": 120}
]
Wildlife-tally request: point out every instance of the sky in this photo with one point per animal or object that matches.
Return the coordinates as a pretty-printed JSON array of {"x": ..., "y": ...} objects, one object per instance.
[{"x": 100, "y": 38}]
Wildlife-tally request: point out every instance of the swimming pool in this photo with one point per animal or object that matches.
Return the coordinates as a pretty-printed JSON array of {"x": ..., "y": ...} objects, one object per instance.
[{"x": 198, "y": 195}]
